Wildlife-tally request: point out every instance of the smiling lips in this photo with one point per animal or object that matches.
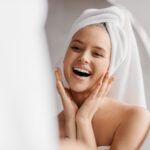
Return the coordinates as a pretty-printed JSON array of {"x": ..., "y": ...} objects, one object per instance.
[{"x": 81, "y": 72}]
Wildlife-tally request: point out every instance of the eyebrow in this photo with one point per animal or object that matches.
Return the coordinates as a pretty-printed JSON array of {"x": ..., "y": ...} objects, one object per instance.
[
  {"x": 97, "y": 47},
  {"x": 100, "y": 48},
  {"x": 77, "y": 41}
]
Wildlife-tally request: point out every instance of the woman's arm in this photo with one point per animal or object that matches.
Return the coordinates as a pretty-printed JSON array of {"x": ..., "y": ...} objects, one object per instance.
[
  {"x": 66, "y": 129},
  {"x": 70, "y": 129},
  {"x": 72, "y": 145},
  {"x": 132, "y": 131},
  {"x": 85, "y": 133}
]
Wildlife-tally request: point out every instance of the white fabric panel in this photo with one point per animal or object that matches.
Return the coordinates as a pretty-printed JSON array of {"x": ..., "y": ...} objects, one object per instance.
[{"x": 27, "y": 109}]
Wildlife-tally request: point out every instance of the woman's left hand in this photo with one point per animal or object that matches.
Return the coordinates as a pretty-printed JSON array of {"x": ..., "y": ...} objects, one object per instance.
[{"x": 95, "y": 98}]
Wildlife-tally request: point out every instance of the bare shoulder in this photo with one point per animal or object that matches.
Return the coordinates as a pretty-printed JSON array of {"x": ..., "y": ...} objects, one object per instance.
[
  {"x": 116, "y": 118},
  {"x": 116, "y": 103},
  {"x": 137, "y": 111},
  {"x": 107, "y": 119},
  {"x": 137, "y": 117},
  {"x": 125, "y": 108},
  {"x": 113, "y": 108},
  {"x": 129, "y": 113},
  {"x": 133, "y": 128}
]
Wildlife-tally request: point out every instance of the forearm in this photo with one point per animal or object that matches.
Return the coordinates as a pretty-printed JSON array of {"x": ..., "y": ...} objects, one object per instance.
[
  {"x": 85, "y": 133},
  {"x": 70, "y": 129}
]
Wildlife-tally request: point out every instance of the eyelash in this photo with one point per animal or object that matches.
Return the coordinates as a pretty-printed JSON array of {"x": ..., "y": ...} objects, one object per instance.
[
  {"x": 75, "y": 48},
  {"x": 78, "y": 49},
  {"x": 97, "y": 54}
]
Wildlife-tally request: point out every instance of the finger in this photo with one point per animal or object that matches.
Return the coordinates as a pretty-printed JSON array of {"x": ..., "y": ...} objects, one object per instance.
[
  {"x": 57, "y": 80},
  {"x": 109, "y": 85},
  {"x": 63, "y": 92},
  {"x": 60, "y": 73},
  {"x": 56, "y": 75},
  {"x": 104, "y": 76},
  {"x": 60, "y": 86},
  {"x": 64, "y": 96},
  {"x": 68, "y": 92},
  {"x": 97, "y": 87},
  {"x": 104, "y": 85},
  {"x": 58, "y": 70},
  {"x": 100, "y": 80},
  {"x": 71, "y": 97},
  {"x": 92, "y": 102}
]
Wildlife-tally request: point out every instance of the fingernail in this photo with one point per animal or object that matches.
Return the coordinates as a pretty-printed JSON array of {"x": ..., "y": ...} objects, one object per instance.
[
  {"x": 113, "y": 78},
  {"x": 56, "y": 68},
  {"x": 106, "y": 75}
]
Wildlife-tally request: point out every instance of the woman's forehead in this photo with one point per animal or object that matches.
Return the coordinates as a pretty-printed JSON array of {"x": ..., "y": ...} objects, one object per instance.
[{"x": 94, "y": 35}]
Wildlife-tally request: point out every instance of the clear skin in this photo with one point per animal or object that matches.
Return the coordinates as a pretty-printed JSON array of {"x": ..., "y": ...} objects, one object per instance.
[
  {"x": 91, "y": 49},
  {"x": 85, "y": 103},
  {"x": 72, "y": 145}
]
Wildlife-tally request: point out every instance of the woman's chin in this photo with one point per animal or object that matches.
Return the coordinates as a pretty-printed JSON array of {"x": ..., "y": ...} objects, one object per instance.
[{"x": 79, "y": 88}]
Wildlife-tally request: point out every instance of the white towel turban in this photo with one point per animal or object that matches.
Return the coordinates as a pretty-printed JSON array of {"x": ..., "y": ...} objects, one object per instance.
[{"x": 125, "y": 63}]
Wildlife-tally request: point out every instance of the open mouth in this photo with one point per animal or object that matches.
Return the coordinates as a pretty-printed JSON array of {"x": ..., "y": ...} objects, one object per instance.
[{"x": 81, "y": 72}]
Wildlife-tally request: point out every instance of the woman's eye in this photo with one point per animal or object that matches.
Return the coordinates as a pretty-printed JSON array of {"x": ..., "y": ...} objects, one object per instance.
[
  {"x": 75, "y": 48},
  {"x": 97, "y": 54}
]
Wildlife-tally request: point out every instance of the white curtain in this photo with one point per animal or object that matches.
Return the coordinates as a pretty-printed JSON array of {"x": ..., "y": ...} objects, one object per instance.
[{"x": 27, "y": 108}]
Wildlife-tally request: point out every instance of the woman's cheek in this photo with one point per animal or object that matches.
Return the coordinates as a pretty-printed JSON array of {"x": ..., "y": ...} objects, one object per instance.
[{"x": 105, "y": 65}]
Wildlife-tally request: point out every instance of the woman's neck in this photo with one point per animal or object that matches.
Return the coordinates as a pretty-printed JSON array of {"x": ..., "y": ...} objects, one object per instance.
[{"x": 79, "y": 98}]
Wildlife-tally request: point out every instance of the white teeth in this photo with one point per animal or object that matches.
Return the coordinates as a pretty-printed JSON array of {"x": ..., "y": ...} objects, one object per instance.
[{"x": 81, "y": 70}]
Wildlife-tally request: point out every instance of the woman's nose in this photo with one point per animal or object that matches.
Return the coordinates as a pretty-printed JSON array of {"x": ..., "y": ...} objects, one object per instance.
[{"x": 84, "y": 58}]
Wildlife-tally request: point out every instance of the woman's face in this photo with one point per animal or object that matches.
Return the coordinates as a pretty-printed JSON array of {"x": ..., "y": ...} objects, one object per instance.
[{"x": 87, "y": 58}]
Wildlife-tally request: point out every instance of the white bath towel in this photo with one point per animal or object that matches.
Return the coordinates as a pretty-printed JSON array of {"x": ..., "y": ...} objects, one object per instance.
[{"x": 104, "y": 148}]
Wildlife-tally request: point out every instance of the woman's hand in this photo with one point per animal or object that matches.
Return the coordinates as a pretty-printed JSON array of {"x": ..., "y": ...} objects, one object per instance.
[
  {"x": 92, "y": 103},
  {"x": 70, "y": 107},
  {"x": 87, "y": 110}
]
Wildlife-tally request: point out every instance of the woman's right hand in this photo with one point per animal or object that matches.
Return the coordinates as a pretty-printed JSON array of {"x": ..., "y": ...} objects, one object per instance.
[{"x": 70, "y": 107}]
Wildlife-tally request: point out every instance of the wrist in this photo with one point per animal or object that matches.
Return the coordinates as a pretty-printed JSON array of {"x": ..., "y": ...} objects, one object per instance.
[
  {"x": 70, "y": 129},
  {"x": 84, "y": 121},
  {"x": 69, "y": 117},
  {"x": 70, "y": 123},
  {"x": 69, "y": 120}
]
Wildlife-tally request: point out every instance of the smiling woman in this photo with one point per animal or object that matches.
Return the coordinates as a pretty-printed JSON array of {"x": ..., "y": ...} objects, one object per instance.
[
  {"x": 85, "y": 56},
  {"x": 96, "y": 55}
]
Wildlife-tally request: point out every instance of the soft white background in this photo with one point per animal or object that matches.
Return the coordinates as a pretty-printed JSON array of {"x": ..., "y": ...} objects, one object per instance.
[
  {"x": 27, "y": 108},
  {"x": 61, "y": 15}
]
